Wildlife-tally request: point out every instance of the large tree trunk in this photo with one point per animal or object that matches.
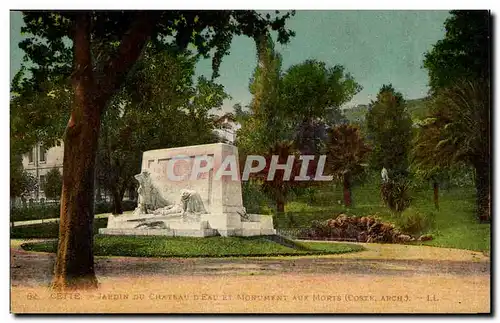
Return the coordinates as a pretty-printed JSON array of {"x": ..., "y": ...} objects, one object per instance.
[
  {"x": 483, "y": 191},
  {"x": 75, "y": 259},
  {"x": 74, "y": 268},
  {"x": 435, "y": 186}
]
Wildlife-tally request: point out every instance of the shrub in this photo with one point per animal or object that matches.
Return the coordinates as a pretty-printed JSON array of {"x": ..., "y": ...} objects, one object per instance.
[
  {"x": 34, "y": 212},
  {"x": 414, "y": 222},
  {"x": 52, "y": 210},
  {"x": 53, "y": 184},
  {"x": 396, "y": 194},
  {"x": 254, "y": 198}
]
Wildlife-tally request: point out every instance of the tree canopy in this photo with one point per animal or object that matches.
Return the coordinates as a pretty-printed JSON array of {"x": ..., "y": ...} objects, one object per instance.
[
  {"x": 389, "y": 129},
  {"x": 464, "y": 52},
  {"x": 458, "y": 132},
  {"x": 49, "y": 43},
  {"x": 96, "y": 50}
]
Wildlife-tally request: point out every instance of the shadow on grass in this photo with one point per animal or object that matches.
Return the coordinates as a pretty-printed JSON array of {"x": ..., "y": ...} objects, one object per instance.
[{"x": 187, "y": 247}]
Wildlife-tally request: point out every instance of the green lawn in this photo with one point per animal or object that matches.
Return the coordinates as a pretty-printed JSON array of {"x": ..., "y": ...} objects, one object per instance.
[
  {"x": 453, "y": 226},
  {"x": 149, "y": 246}
]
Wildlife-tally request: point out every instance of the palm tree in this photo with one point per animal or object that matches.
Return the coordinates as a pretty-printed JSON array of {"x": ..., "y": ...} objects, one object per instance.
[
  {"x": 346, "y": 152},
  {"x": 458, "y": 131},
  {"x": 278, "y": 186}
]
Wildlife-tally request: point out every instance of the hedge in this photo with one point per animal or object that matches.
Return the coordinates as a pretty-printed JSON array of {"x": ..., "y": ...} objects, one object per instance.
[{"x": 51, "y": 210}]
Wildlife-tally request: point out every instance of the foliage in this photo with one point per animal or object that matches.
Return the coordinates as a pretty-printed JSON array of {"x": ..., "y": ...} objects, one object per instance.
[
  {"x": 346, "y": 151},
  {"x": 48, "y": 45},
  {"x": 412, "y": 221},
  {"x": 159, "y": 90},
  {"x": 42, "y": 211},
  {"x": 254, "y": 200},
  {"x": 296, "y": 105},
  {"x": 38, "y": 116},
  {"x": 396, "y": 194},
  {"x": 22, "y": 183},
  {"x": 288, "y": 110},
  {"x": 239, "y": 114},
  {"x": 313, "y": 93},
  {"x": 312, "y": 90},
  {"x": 457, "y": 132},
  {"x": 53, "y": 184},
  {"x": 266, "y": 123},
  {"x": 458, "y": 127},
  {"x": 417, "y": 108},
  {"x": 279, "y": 187},
  {"x": 48, "y": 230},
  {"x": 200, "y": 247},
  {"x": 389, "y": 130},
  {"x": 464, "y": 52},
  {"x": 35, "y": 212},
  {"x": 461, "y": 176},
  {"x": 105, "y": 47}
]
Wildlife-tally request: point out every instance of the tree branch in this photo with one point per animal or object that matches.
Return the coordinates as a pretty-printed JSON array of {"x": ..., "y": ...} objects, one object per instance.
[
  {"x": 82, "y": 76},
  {"x": 128, "y": 52}
]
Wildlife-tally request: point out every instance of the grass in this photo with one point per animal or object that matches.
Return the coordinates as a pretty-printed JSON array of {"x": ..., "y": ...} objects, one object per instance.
[
  {"x": 453, "y": 226},
  {"x": 46, "y": 230},
  {"x": 149, "y": 246}
]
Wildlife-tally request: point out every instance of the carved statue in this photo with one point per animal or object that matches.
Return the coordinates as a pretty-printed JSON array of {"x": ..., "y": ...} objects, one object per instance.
[
  {"x": 149, "y": 198},
  {"x": 190, "y": 203},
  {"x": 385, "y": 175}
]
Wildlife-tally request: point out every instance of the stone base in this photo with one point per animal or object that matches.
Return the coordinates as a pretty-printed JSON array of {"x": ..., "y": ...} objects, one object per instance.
[
  {"x": 174, "y": 226},
  {"x": 186, "y": 232},
  {"x": 160, "y": 232}
]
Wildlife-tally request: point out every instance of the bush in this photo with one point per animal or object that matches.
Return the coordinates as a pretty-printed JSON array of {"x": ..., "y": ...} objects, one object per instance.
[
  {"x": 52, "y": 210},
  {"x": 35, "y": 212},
  {"x": 53, "y": 184},
  {"x": 47, "y": 230},
  {"x": 396, "y": 194},
  {"x": 413, "y": 222}
]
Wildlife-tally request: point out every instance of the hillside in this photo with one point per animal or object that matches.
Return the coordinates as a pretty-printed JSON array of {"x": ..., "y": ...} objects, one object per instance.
[{"x": 416, "y": 107}]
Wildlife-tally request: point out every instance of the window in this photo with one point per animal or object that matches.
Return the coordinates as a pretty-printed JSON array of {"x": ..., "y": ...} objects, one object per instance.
[
  {"x": 43, "y": 154},
  {"x": 30, "y": 156},
  {"x": 42, "y": 182}
]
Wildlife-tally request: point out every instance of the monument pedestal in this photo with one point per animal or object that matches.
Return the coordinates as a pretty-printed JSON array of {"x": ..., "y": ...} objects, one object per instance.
[
  {"x": 208, "y": 225},
  {"x": 221, "y": 196}
]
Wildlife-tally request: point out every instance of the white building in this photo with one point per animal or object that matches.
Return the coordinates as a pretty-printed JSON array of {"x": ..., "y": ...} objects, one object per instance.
[
  {"x": 227, "y": 128},
  {"x": 39, "y": 161}
]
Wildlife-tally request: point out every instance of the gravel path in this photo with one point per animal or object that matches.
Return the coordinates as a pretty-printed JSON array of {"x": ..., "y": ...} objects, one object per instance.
[{"x": 455, "y": 277}]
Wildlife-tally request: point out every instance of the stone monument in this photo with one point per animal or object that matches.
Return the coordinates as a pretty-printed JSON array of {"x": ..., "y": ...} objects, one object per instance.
[{"x": 189, "y": 191}]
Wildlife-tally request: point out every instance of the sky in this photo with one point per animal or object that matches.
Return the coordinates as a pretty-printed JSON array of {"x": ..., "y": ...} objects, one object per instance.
[{"x": 375, "y": 47}]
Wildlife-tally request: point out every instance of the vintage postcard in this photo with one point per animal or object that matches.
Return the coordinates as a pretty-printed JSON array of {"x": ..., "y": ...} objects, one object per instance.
[{"x": 246, "y": 161}]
